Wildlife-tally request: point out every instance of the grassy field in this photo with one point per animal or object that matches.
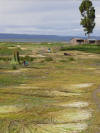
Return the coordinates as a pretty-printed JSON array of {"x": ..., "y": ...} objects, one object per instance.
[
  {"x": 85, "y": 48},
  {"x": 54, "y": 93}
]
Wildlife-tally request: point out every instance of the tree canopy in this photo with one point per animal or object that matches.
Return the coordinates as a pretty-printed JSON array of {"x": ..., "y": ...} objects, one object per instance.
[{"x": 88, "y": 16}]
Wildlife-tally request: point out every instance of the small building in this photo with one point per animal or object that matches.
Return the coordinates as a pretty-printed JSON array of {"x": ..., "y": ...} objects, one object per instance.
[
  {"x": 76, "y": 41},
  {"x": 98, "y": 42},
  {"x": 90, "y": 41}
]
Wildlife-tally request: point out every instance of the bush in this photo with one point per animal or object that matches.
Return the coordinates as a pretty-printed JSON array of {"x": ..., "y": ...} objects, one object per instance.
[
  {"x": 27, "y": 58},
  {"x": 5, "y": 58},
  {"x": 63, "y": 48},
  {"x": 63, "y": 61},
  {"x": 71, "y": 59},
  {"x": 14, "y": 64},
  {"x": 14, "y": 67},
  {"x": 48, "y": 59},
  {"x": 86, "y": 48}
]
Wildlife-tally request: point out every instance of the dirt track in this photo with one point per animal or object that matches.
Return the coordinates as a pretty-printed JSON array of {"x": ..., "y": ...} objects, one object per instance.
[{"x": 96, "y": 99}]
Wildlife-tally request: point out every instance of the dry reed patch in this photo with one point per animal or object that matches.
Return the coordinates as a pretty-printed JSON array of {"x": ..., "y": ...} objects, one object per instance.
[
  {"x": 60, "y": 94},
  {"x": 78, "y": 104},
  {"x": 10, "y": 109},
  {"x": 59, "y": 128},
  {"x": 84, "y": 85},
  {"x": 69, "y": 115}
]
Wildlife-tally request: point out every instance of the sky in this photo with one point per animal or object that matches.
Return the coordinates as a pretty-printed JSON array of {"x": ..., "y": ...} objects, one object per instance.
[{"x": 45, "y": 17}]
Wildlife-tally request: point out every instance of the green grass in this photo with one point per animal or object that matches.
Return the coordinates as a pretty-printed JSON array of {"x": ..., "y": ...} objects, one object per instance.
[
  {"x": 42, "y": 88},
  {"x": 85, "y": 48},
  {"x": 10, "y": 79},
  {"x": 48, "y": 59},
  {"x": 6, "y": 51}
]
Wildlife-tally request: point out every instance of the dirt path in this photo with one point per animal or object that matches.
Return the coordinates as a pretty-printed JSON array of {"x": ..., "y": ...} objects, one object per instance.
[{"x": 96, "y": 99}]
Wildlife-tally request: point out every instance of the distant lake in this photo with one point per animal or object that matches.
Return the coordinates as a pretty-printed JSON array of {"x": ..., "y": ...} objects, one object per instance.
[
  {"x": 33, "y": 40},
  {"x": 38, "y": 38}
]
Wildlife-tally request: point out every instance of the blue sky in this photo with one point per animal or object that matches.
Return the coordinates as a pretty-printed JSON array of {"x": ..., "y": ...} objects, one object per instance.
[{"x": 47, "y": 17}]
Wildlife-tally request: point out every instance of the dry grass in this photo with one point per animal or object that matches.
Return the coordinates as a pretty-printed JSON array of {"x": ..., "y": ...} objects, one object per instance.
[{"x": 50, "y": 96}]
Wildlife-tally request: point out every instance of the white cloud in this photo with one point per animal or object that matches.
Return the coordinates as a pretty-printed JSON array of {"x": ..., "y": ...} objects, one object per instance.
[
  {"x": 98, "y": 16},
  {"x": 42, "y": 16}
]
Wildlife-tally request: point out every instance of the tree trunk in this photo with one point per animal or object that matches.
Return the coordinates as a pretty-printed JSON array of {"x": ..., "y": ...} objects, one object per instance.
[{"x": 88, "y": 38}]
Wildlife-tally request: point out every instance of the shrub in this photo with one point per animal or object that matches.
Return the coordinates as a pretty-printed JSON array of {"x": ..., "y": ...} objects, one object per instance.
[
  {"x": 5, "y": 58},
  {"x": 14, "y": 64},
  {"x": 71, "y": 59},
  {"x": 48, "y": 59},
  {"x": 14, "y": 67},
  {"x": 63, "y": 61},
  {"x": 86, "y": 48},
  {"x": 63, "y": 48},
  {"x": 28, "y": 58}
]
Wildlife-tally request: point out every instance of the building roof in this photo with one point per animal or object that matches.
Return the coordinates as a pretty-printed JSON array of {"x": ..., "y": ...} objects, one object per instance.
[
  {"x": 78, "y": 38},
  {"x": 92, "y": 39}
]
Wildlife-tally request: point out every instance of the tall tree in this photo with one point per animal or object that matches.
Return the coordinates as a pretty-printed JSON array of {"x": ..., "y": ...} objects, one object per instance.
[{"x": 88, "y": 16}]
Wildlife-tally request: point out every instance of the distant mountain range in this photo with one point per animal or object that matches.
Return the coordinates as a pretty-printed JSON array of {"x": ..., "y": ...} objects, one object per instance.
[{"x": 38, "y": 38}]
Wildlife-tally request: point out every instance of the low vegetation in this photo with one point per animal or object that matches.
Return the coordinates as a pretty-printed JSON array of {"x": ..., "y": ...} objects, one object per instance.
[
  {"x": 53, "y": 93},
  {"x": 85, "y": 48}
]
